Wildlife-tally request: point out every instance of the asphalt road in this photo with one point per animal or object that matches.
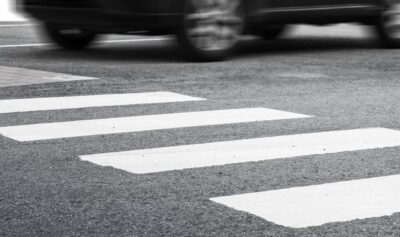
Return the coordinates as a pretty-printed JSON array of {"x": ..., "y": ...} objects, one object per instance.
[{"x": 336, "y": 74}]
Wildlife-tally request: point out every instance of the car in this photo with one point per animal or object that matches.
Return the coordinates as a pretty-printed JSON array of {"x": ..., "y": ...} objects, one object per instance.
[{"x": 208, "y": 30}]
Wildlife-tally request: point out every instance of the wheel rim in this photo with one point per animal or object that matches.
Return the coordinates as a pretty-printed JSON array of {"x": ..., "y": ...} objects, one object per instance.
[
  {"x": 213, "y": 25},
  {"x": 391, "y": 21}
]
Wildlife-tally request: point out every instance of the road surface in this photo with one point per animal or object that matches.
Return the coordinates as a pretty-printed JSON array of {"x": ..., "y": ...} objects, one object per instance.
[{"x": 297, "y": 137}]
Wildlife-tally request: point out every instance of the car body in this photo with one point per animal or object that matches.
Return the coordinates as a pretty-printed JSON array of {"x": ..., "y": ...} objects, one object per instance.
[{"x": 190, "y": 20}]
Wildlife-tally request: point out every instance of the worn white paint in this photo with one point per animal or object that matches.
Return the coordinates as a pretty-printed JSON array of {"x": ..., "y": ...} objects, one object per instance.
[
  {"x": 250, "y": 150},
  {"x": 74, "y": 102},
  {"x": 316, "y": 205},
  {"x": 12, "y": 76},
  {"x": 104, "y": 41},
  {"x": 142, "y": 123},
  {"x": 15, "y": 25},
  {"x": 24, "y": 45}
]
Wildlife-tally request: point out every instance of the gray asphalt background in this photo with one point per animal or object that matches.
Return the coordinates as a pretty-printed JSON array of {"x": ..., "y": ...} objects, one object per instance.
[{"x": 336, "y": 74}]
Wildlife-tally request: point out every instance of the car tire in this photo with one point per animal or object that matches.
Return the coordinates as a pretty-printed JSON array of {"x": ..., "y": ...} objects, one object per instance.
[
  {"x": 69, "y": 38},
  {"x": 272, "y": 32},
  {"x": 388, "y": 25},
  {"x": 210, "y": 29}
]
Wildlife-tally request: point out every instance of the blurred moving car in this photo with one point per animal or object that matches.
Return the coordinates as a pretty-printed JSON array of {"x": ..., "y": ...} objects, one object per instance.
[{"x": 207, "y": 29}]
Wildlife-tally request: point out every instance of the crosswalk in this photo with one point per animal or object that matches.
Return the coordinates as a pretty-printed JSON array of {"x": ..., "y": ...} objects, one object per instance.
[
  {"x": 87, "y": 101},
  {"x": 323, "y": 203},
  {"x": 93, "y": 127},
  {"x": 251, "y": 150},
  {"x": 315, "y": 205}
]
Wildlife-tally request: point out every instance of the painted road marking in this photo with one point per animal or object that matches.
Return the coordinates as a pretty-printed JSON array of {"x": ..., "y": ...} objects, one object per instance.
[
  {"x": 249, "y": 150},
  {"x": 24, "y": 45},
  {"x": 316, "y": 205},
  {"x": 12, "y": 76},
  {"x": 142, "y": 123},
  {"x": 17, "y": 25},
  {"x": 105, "y": 41},
  {"x": 73, "y": 102}
]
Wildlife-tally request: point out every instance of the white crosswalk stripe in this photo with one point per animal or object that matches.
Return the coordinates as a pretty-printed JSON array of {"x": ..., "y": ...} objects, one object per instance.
[
  {"x": 294, "y": 207},
  {"x": 315, "y": 205},
  {"x": 239, "y": 151},
  {"x": 86, "y": 101},
  {"x": 80, "y": 128}
]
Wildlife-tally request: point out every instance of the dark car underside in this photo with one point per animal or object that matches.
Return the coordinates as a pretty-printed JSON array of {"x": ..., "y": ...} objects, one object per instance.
[{"x": 208, "y": 29}]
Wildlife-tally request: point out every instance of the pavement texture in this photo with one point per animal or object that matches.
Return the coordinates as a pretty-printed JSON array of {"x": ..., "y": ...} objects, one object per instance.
[{"x": 344, "y": 80}]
